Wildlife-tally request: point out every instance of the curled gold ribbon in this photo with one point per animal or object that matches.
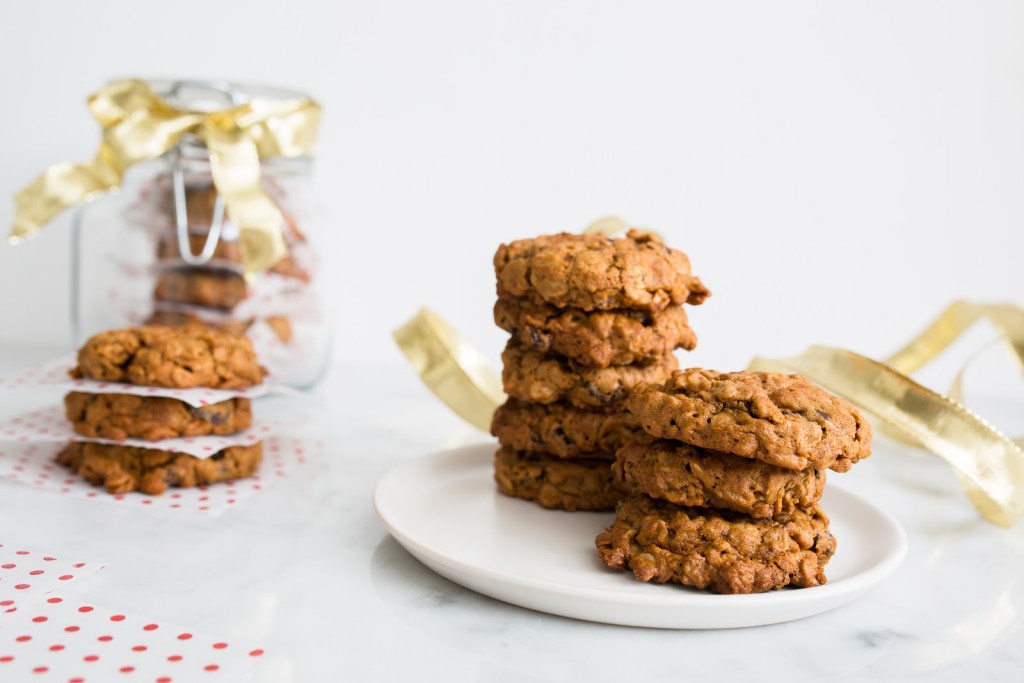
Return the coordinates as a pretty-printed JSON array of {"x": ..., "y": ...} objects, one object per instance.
[
  {"x": 139, "y": 125},
  {"x": 989, "y": 465},
  {"x": 456, "y": 372}
]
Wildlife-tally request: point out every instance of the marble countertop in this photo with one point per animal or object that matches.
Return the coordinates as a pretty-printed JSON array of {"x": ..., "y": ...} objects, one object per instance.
[{"x": 306, "y": 569}]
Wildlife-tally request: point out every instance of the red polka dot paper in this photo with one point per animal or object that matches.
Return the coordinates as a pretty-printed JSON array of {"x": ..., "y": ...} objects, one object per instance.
[
  {"x": 63, "y": 638},
  {"x": 33, "y": 464},
  {"x": 51, "y": 424},
  {"x": 26, "y": 574},
  {"x": 55, "y": 376}
]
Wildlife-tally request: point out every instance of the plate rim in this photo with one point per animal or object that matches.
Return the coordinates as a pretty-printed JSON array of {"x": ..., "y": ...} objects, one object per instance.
[{"x": 832, "y": 591}]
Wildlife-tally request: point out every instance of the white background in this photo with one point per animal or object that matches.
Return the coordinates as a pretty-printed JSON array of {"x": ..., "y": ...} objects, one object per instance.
[{"x": 837, "y": 172}]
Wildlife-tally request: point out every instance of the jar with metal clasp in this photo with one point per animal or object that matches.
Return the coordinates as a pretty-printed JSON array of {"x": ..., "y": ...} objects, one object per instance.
[{"x": 162, "y": 250}]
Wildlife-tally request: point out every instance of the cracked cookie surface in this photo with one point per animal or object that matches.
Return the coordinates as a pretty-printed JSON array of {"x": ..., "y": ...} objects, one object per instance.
[
  {"x": 121, "y": 469},
  {"x": 695, "y": 477},
  {"x": 124, "y": 416},
  {"x": 784, "y": 420},
  {"x": 178, "y": 357},
  {"x": 562, "y": 430},
  {"x": 598, "y": 339},
  {"x": 596, "y": 272},
  {"x": 723, "y": 551},
  {"x": 582, "y": 484}
]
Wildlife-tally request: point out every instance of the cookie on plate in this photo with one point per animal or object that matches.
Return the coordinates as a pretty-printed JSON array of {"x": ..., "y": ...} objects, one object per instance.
[
  {"x": 720, "y": 550},
  {"x": 596, "y": 272},
  {"x": 121, "y": 469},
  {"x": 536, "y": 377},
  {"x": 597, "y": 339},
  {"x": 581, "y": 484},
  {"x": 784, "y": 420},
  {"x": 562, "y": 430},
  {"x": 695, "y": 477}
]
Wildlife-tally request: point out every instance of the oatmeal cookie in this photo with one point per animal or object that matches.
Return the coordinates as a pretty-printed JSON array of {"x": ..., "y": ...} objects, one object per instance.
[
  {"x": 784, "y": 420},
  {"x": 172, "y": 318},
  {"x": 724, "y": 551},
  {"x": 229, "y": 251},
  {"x": 598, "y": 339},
  {"x": 537, "y": 377},
  {"x": 178, "y": 357},
  {"x": 225, "y": 250},
  {"x": 124, "y": 416},
  {"x": 561, "y": 430},
  {"x": 124, "y": 468},
  {"x": 595, "y": 272},
  {"x": 222, "y": 289},
  {"x": 584, "y": 484},
  {"x": 694, "y": 477}
]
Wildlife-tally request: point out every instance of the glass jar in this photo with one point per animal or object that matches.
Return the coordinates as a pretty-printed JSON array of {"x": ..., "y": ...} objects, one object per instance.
[{"x": 161, "y": 250}]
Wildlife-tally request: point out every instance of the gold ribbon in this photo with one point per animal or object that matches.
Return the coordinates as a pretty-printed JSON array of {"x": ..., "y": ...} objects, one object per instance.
[
  {"x": 139, "y": 125},
  {"x": 456, "y": 372},
  {"x": 989, "y": 465}
]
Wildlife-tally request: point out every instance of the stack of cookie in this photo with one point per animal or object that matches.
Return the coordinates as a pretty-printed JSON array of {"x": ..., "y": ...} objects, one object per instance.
[
  {"x": 179, "y": 358},
  {"x": 728, "y": 475},
  {"x": 208, "y": 294},
  {"x": 589, "y": 316}
]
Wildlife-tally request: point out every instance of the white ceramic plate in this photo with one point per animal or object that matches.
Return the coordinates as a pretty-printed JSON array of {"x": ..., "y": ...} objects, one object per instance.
[{"x": 444, "y": 509}]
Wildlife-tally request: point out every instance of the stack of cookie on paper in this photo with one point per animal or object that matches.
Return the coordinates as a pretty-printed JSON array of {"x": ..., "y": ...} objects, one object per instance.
[
  {"x": 160, "y": 357},
  {"x": 590, "y": 316},
  {"x": 210, "y": 292},
  {"x": 728, "y": 476}
]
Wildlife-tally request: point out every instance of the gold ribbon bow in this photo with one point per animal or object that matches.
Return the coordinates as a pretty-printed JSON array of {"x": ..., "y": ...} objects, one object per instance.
[{"x": 139, "y": 125}]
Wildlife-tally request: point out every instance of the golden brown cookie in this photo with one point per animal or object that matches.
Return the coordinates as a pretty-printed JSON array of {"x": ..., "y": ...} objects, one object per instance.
[
  {"x": 559, "y": 429},
  {"x": 584, "y": 484},
  {"x": 724, "y": 551},
  {"x": 200, "y": 201},
  {"x": 595, "y": 272},
  {"x": 178, "y": 357},
  {"x": 224, "y": 250},
  {"x": 694, "y": 477},
  {"x": 124, "y": 416},
  {"x": 784, "y": 420},
  {"x": 121, "y": 469},
  {"x": 171, "y": 318},
  {"x": 598, "y": 339},
  {"x": 222, "y": 289},
  {"x": 229, "y": 251},
  {"x": 536, "y": 377}
]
